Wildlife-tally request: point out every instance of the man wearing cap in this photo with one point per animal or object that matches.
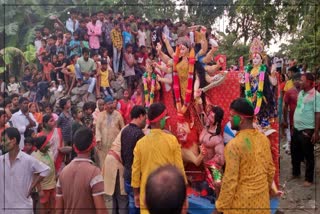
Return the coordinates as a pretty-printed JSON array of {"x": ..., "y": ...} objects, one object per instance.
[
  {"x": 156, "y": 149},
  {"x": 81, "y": 191},
  {"x": 108, "y": 126},
  {"x": 23, "y": 119},
  {"x": 249, "y": 171}
]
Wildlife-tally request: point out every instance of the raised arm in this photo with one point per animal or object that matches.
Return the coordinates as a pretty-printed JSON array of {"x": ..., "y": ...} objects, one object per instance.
[{"x": 166, "y": 59}]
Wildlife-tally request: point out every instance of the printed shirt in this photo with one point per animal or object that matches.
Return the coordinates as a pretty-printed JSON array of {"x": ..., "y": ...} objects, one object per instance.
[
  {"x": 248, "y": 174},
  {"x": 116, "y": 38}
]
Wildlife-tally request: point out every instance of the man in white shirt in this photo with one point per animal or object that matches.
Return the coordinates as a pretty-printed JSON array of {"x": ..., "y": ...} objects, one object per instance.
[
  {"x": 23, "y": 120},
  {"x": 19, "y": 174},
  {"x": 72, "y": 23}
]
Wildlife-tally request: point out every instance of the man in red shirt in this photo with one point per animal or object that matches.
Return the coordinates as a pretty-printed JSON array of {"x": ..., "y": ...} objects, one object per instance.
[{"x": 290, "y": 103}]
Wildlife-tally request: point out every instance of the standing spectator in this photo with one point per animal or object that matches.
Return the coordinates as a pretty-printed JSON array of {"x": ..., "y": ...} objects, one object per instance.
[
  {"x": 46, "y": 189},
  {"x": 249, "y": 171},
  {"x": 94, "y": 31},
  {"x": 166, "y": 191},
  {"x": 306, "y": 122},
  {"x": 148, "y": 35},
  {"x": 55, "y": 140},
  {"x": 23, "y": 119},
  {"x": 34, "y": 110},
  {"x": 290, "y": 104},
  {"x": 108, "y": 126},
  {"x": 15, "y": 103},
  {"x": 127, "y": 36},
  {"x": 75, "y": 45},
  {"x": 70, "y": 73},
  {"x": 99, "y": 108},
  {"x": 81, "y": 191},
  {"x": 141, "y": 36},
  {"x": 106, "y": 34},
  {"x": 85, "y": 68},
  {"x": 18, "y": 182},
  {"x": 72, "y": 23},
  {"x": 115, "y": 198},
  {"x": 104, "y": 75},
  {"x": 116, "y": 39},
  {"x": 82, "y": 29},
  {"x": 129, "y": 72},
  {"x": 152, "y": 151},
  {"x": 46, "y": 33},
  {"x": 129, "y": 137},
  {"x": 42, "y": 51},
  {"x": 124, "y": 106},
  {"x": 37, "y": 40},
  {"x": 65, "y": 121}
]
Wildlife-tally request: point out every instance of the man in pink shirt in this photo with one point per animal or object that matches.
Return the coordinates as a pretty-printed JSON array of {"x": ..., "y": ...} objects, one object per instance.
[{"x": 94, "y": 31}]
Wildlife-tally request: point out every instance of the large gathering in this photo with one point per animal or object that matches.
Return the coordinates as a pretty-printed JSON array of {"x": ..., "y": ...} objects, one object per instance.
[{"x": 123, "y": 115}]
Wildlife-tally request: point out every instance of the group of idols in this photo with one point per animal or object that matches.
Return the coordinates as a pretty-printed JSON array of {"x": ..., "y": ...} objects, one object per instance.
[{"x": 194, "y": 84}]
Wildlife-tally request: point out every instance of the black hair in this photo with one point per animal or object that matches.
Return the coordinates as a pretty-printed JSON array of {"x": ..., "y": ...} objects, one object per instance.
[
  {"x": 14, "y": 95},
  {"x": 104, "y": 62},
  {"x": 46, "y": 118},
  {"x": 60, "y": 36},
  {"x": 165, "y": 191},
  {"x": 137, "y": 111},
  {"x": 72, "y": 57},
  {"x": 82, "y": 138},
  {"x": 309, "y": 76},
  {"x": 85, "y": 50},
  {"x": 22, "y": 99},
  {"x": 296, "y": 76},
  {"x": 12, "y": 132},
  {"x": 28, "y": 133},
  {"x": 89, "y": 105},
  {"x": 2, "y": 112},
  {"x": 242, "y": 106},
  {"x": 294, "y": 69},
  {"x": 63, "y": 102},
  {"x": 155, "y": 110},
  {"x": 115, "y": 22},
  {"x": 218, "y": 117},
  {"x": 39, "y": 141},
  {"x": 29, "y": 140},
  {"x": 129, "y": 45},
  {"x": 61, "y": 52}
]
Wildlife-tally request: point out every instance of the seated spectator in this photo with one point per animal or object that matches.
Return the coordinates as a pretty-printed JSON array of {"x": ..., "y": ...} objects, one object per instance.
[
  {"x": 13, "y": 86},
  {"x": 48, "y": 73},
  {"x": 166, "y": 191},
  {"x": 85, "y": 69}
]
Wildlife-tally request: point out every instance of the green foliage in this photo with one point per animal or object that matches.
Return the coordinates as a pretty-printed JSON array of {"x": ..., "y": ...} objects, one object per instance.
[
  {"x": 30, "y": 53},
  {"x": 232, "y": 48}
]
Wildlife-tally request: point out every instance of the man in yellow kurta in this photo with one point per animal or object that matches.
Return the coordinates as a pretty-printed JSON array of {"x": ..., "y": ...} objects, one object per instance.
[
  {"x": 249, "y": 168},
  {"x": 155, "y": 149}
]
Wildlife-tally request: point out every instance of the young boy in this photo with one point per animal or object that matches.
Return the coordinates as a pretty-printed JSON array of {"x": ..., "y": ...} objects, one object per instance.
[
  {"x": 46, "y": 188},
  {"x": 104, "y": 77},
  {"x": 13, "y": 86},
  {"x": 29, "y": 146},
  {"x": 69, "y": 74},
  {"x": 48, "y": 73},
  {"x": 75, "y": 45}
]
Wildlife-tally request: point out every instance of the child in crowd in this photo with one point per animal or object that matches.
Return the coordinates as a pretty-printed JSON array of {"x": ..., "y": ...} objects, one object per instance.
[
  {"x": 70, "y": 74},
  {"x": 43, "y": 50},
  {"x": 75, "y": 45},
  {"x": 88, "y": 108},
  {"x": 104, "y": 77},
  {"x": 48, "y": 73},
  {"x": 13, "y": 86},
  {"x": 60, "y": 45},
  {"x": 29, "y": 146},
  {"x": 46, "y": 188}
]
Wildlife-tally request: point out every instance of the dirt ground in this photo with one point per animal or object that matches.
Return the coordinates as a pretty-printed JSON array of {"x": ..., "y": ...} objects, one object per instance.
[{"x": 298, "y": 199}]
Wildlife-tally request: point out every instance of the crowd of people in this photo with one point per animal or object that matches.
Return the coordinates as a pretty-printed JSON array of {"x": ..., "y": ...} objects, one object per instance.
[{"x": 112, "y": 152}]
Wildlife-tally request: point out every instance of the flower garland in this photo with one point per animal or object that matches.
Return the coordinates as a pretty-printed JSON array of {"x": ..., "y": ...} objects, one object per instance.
[
  {"x": 176, "y": 81},
  {"x": 259, "y": 92},
  {"x": 145, "y": 88}
]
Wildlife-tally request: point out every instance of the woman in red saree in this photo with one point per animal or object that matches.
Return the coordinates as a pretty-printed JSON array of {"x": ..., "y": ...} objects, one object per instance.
[{"x": 54, "y": 138}]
